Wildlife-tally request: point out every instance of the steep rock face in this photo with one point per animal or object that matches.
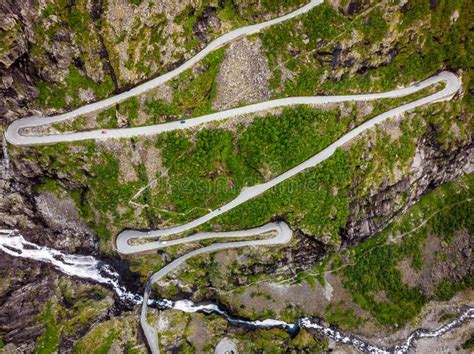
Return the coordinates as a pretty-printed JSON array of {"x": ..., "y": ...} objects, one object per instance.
[
  {"x": 60, "y": 216},
  {"x": 432, "y": 166},
  {"x": 26, "y": 287},
  {"x": 300, "y": 257},
  {"x": 20, "y": 297},
  {"x": 455, "y": 265},
  {"x": 38, "y": 214},
  {"x": 42, "y": 217},
  {"x": 206, "y": 22},
  {"x": 16, "y": 75},
  {"x": 42, "y": 45},
  {"x": 26, "y": 291}
]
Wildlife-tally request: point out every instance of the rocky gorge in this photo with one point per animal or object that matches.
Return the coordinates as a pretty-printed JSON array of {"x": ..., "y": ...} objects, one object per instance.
[{"x": 32, "y": 65}]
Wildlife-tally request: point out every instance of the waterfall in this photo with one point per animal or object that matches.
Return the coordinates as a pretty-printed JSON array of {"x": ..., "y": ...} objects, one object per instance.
[
  {"x": 84, "y": 267},
  {"x": 89, "y": 268}
]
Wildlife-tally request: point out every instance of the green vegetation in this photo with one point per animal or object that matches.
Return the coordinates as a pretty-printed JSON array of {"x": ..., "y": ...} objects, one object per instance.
[
  {"x": 99, "y": 340},
  {"x": 146, "y": 39},
  {"x": 428, "y": 41},
  {"x": 54, "y": 95},
  {"x": 144, "y": 43},
  {"x": 290, "y": 138},
  {"x": 105, "y": 190},
  {"x": 206, "y": 169},
  {"x": 193, "y": 169},
  {"x": 209, "y": 167},
  {"x": 107, "y": 118},
  {"x": 277, "y": 39},
  {"x": 315, "y": 23},
  {"x": 96, "y": 186},
  {"x": 129, "y": 108},
  {"x": 50, "y": 185},
  {"x": 78, "y": 24},
  {"x": 8, "y": 38},
  {"x": 278, "y": 5},
  {"x": 374, "y": 266},
  {"x": 447, "y": 288},
  {"x": 189, "y": 16},
  {"x": 69, "y": 312},
  {"x": 50, "y": 97},
  {"x": 273, "y": 340},
  {"x": 290, "y": 314},
  {"x": 375, "y": 26},
  {"x": 415, "y": 10},
  {"x": 135, "y": 2},
  {"x": 49, "y": 340},
  {"x": 314, "y": 200},
  {"x": 468, "y": 344},
  {"x": 159, "y": 108},
  {"x": 230, "y": 14},
  {"x": 196, "y": 93},
  {"x": 193, "y": 94},
  {"x": 315, "y": 27},
  {"x": 270, "y": 146},
  {"x": 240, "y": 13},
  {"x": 107, "y": 344},
  {"x": 344, "y": 318},
  {"x": 375, "y": 273}
]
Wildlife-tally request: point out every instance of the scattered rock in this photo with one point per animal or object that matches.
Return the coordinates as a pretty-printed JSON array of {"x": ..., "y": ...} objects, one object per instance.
[
  {"x": 86, "y": 95},
  {"x": 243, "y": 75}
]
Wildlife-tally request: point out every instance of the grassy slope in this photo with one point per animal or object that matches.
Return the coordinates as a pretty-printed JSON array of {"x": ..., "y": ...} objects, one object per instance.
[
  {"x": 442, "y": 212},
  {"x": 145, "y": 40},
  {"x": 428, "y": 43},
  {"x": 218, "y": 163}
]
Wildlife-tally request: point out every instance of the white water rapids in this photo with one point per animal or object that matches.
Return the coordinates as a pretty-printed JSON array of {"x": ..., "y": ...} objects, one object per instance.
[
  {"x": 84, "y": 267},
  {"x": 89, "y": 268}
]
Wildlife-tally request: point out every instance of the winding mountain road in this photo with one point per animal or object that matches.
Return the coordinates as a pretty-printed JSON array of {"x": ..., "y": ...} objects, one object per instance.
[
  {"x": 281, "y": 233},
  {"x": 452, "y": 86},
  {"x": 14, "y": 137}
]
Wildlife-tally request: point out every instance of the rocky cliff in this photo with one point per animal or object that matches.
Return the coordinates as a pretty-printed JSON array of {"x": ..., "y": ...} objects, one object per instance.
[
  {"x": 432, "y": 166},
  {"x": 56, "y": 55}
]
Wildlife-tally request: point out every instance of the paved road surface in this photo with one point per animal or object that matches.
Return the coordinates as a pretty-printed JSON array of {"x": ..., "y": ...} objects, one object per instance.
[
  {"x": 14, "y": 138},
  {"x": 226, "y": 346},
  {"x": 452, "y": 86},
  {"x": 281, "y": 233},
  {"x": 124, "y": 247}
]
